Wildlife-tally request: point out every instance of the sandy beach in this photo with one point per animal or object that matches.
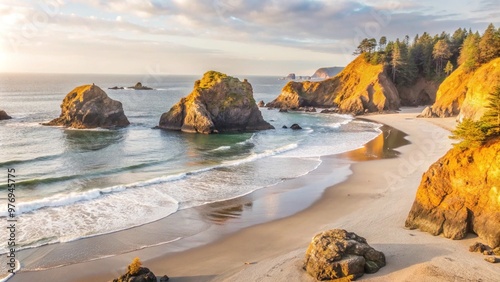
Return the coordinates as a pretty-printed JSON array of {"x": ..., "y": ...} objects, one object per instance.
[{"x": 373, "y": 202}]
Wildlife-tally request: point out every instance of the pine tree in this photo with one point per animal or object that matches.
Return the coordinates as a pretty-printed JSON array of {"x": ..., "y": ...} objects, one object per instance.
[
  {"x": 489, "y": 45},
  {"x": 396, "y": 60},
  {"x": 469, "y": 56},
  {"x": 382, "y": 42},
  {"x": 449, "y": 68},
  {"x": 471, "y": 133},
  {"x": 441, "y": 53},
  {"x": 491, "y": 117}
]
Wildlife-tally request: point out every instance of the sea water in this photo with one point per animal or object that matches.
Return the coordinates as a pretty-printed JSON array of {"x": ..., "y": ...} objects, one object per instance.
[{"x": 72, "y": 184}]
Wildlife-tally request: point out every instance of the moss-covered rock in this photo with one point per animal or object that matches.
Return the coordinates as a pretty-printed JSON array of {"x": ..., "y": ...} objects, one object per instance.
[
  {"x": 338, "y": 254},
  {"x": 218, "y": 103},
  {"x": 88, "y": 106},
  {"x": 360, "y": 87}
]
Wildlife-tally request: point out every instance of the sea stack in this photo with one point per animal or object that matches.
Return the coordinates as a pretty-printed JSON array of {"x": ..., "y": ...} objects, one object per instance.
[
  {"x": 4, "y": 115},
  {"x": 218, "y": 103},
  {"x": 88, "y": 106}
]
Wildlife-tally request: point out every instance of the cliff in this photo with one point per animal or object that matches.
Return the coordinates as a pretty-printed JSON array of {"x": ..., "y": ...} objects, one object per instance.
[
  {"x": 361, "y": 87},
  {"x": 324, "y": 73},
  {"x": 88, "y": 106},
  {"x": 467, "y": 91},
  {"x": 481, "y": 84},
  {"x": 423, "y": 92},
  {"x": 218, "y": 103},
  {"x": 460, "y": 193}
]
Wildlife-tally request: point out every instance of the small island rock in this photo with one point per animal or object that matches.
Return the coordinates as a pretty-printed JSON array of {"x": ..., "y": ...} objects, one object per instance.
[
  {"x": 139, "y": 86},
  {"x": 4, "y": 115},
  {"x": 295, "y": 126},
  {"x": 88, "y": 106},
  {"x": 261, "y": 103},
  {"x": 337, "y": 254},
  {"x": 218, "y": 103}
]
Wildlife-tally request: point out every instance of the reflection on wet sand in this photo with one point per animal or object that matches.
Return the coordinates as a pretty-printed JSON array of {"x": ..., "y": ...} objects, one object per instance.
[{"x": 382, "y": 147}]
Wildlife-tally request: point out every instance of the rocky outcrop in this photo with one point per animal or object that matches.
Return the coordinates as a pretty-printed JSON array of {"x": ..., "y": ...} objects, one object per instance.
[
  {"x": 4, "y": 115},
  {"x": 361, "y": 87},
  {"x": 139, "y": 86},
  {"x": 337, "y": 254},
  {"x": 423, "y": 92},
  {"x": 218, "y": 103},
  {"x": 88, "y": 106},
  {"x": 142, "y": 275},
  {"x": 261, "y": 103},
  {"x": 460, "y": 193},
  {"x": 324, "y": 73},
  {"x": 480, "y": 86},
  {"x": 466, "y": 93},
  {"x": 290, "y": 76}
]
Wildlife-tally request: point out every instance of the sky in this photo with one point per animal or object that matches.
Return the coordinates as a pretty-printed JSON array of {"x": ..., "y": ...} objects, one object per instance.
[{"x": 233, "y": 36}]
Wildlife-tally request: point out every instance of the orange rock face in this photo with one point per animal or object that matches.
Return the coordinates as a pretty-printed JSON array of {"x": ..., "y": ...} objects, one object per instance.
[{"x": 460, "y": 193}]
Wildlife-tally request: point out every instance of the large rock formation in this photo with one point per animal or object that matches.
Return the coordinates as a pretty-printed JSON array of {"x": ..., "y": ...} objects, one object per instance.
[
  {"x": 460, "y": 193},
  {"x": 4, "y": 115},
  {"x": 452, "y": 94},
  {"x": 324, "y": 73},
  {"x": 218, "y": 103},
  {"x": 88, "y": 106},
  {"x": 336, "y": 254},
  {"x": 360, "y": 87},
  {"x": 423, "y": 92},
  {"x": 480, "y": 86}
]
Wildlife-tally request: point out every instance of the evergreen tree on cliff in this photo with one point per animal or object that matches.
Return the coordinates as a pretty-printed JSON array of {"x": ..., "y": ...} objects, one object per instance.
[
  {"x": 469, "y": 56},
  {"x": 489, "y": 45},
  {"x": 441, "y": 53},
  {"x": 492, "y": 117}
]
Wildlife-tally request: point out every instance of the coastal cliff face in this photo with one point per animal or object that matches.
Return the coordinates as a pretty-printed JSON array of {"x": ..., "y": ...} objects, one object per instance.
[
  {"x": 218, "y": 103},
  {"x": 423, "y": 92},
  {"x": 88, "y": 106},
  {"x": 481, "y": 84},
  {"x": 465, "y": 93},
  {"x": 361, "y": 87},
  {"x": 460, "y": 193}
]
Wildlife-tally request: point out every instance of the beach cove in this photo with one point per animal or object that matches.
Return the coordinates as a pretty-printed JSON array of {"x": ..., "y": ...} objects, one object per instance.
[{"x": 373, "y": 202}]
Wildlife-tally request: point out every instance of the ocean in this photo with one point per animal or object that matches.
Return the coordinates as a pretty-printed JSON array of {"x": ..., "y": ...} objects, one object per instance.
[{"x": 72, "y": 184}]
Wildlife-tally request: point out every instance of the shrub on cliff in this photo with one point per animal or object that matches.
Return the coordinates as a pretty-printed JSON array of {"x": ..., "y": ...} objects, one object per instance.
[{"x": 475, "y": 133}]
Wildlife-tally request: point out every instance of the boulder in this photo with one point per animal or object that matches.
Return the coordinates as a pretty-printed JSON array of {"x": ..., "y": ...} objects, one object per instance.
[
  {"x": 359, "y": 86},
  {"x": 426, "y": 113},
  {"x": 88, "y": 106},
  {"x": 478, "y": 247},
  {"x": 284, "y": 126},
  {"x": 283, "y": 110},
  {"x": 337, "y": 254},
  {"x": 459, "y": 193},
  {"x": 295, "y": 126},
  {"x": 310, "y": 110},
  {"x": 4, "y": 115},
  {"x": 261, "y": 103},
  {"x": 218, "y": 103},
  {"x": 142, "y": 275},
  {"x": 491, "y": 259}
]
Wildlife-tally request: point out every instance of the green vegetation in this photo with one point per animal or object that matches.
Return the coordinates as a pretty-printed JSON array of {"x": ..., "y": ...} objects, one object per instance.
[
  {"x": 135, "y": 266},
  {"x": 432, "y": 57},
  {"x": 476, "y": 133}
]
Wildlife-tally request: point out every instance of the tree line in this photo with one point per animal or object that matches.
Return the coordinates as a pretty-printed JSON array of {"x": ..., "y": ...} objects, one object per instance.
[{"x": 432, "y": 57}]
